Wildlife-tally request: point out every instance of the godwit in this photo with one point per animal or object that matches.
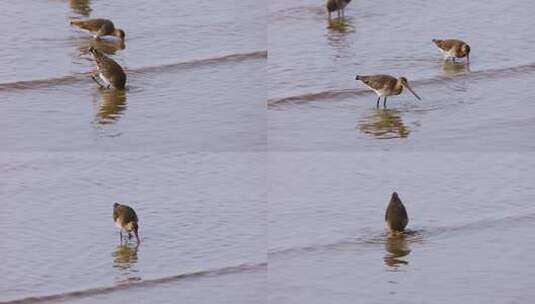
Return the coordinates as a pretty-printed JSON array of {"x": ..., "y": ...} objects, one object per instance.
[
  {"x": 126, "y": 219},
  {"x": 338, "y": 6},
  {"x": 396, "y": 216},
  {"x": 99, "y": 27},
  {"x": 109, "y": 71},
  {"x": 453, "y": 48},
  {"x": 386, "y": 85}
]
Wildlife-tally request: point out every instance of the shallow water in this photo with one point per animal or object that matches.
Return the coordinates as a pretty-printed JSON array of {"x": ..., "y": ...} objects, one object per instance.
[
  {"x": 315, "y": 103},
  {"x": 469, "y": 219},
  {"x": 195, "y": 108},
  {"x": 195, "y": 78},
  {"x": 260, "y": 169},
  {"x": 202, "y": 217}
]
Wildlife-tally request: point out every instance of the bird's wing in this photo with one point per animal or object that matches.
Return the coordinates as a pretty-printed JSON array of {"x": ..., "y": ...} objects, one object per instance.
[{"x": 377, "y": 82}]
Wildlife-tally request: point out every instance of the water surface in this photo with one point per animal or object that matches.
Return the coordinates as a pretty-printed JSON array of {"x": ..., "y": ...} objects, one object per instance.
[
  {"x": 469, "y": 219},
  {"x": 202, "y": 224}
]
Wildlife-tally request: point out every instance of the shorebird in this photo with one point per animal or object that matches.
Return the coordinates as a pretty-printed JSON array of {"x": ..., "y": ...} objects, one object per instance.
[
  {"x": 109, "y": 71},
  {"x": 453, "y": 48},
  {"x": 336, "y": 5},
  {"x": 386, "y": 85},
  {"x": 99, "y": 27},
  {"x": 396, "y": 216},
  {"x": 126, "y": 219}
]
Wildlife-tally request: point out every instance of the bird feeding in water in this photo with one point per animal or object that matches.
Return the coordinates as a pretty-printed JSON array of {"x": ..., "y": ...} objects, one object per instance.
[
  {"x": 338, "y": 6},
  {"x": 99, "y": 27},
  {"x": 396, "y": 216},
  {"x": 109, "y": 71},
  {"x": 386, "y": 85},
  {"x": 453, "y": 48},
  {"x": 126, "y": 219}
]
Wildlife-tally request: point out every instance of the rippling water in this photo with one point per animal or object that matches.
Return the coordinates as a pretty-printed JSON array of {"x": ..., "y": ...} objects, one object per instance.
[
  {"x": 195, "y": 77},
  {"x": 260, "y": 169},
  {"x": 469, "y": 220},
  {"x": 316, "y": 104},
  {"x": 195, "y": 108},
  {"x": 201, "y": 216}
]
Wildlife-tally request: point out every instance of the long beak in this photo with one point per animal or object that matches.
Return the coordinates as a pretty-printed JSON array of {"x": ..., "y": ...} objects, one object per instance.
[
  {"x": 137, "y": 237},
  {"x": 415, "y": 95},
  {"x": 468, "y": 58}
]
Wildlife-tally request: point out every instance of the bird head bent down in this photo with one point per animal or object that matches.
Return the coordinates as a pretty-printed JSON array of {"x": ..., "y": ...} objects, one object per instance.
[
  {"x": 405, "y": 83},
  {"x": 119, "y": 33}
]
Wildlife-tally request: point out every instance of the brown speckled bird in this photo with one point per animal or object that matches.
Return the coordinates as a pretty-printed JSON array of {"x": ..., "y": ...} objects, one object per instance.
[
  {"x": 386, "y": 85},
  {"x": 109, "y": 71},
  {"x": 99, "y": 27},
  {"x": 396, "y": 216},
  {"x": 336, "y": 5},
  {"x": 453, "y": 48},
  {"x": 126, "y": 219}
]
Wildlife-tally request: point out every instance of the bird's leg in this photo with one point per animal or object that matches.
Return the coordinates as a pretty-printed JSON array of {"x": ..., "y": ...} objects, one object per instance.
[
  {"x": 129, "y": 235},
  {"x": 329, "y": 17},
  {"x": 384, "y": 103},
  {"x": 121, "y": 236},
  {"x": 378, "y": 99}
]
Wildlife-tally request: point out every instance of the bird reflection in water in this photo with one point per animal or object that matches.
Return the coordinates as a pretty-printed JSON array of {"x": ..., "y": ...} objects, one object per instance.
[
  {"x": 112, "y": 106},
  {"x": 82, "y": 7},
  {"x": 396, "y": 247},
  {"x": 384, "y": 124},
  {"x": 452, "y": 68},
  {"x": 340, "y": 27},
  {"x": 124, "y": 261}
]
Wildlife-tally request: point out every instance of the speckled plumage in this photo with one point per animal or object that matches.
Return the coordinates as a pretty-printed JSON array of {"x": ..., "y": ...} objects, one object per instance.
[
  {"x": 109, "y": 71},
  {"x": 126, "y": 219},
  {"x": 453, "y": 48},
  {"x": 99, "y": 27},
  {"x": 386, "y": 85}
]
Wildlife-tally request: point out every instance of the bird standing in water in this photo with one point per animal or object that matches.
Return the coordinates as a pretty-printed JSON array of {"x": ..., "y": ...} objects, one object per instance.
[
  {"x": 126, "y": 219},
  {"x": 396, "y": 216},
  {"x": 453, "y": 48},
  {"x": 99, "y": 27},
  {"x": 338, "y": 6},
  {"x": 109, "y": 71},
  {"x": 386, "y": 85}
]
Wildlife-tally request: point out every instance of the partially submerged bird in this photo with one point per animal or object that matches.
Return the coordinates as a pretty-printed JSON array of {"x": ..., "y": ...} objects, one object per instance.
[
  {"x": 99, "y": 27},
  {"x": 336, "y": 5},
  {"x": 386, "y": 85},
  {"x": 126, "y": 219},
  {"x": 396, "y": 216},
  {"x": 109, "y": 71},
  {"x": 453, "y": 48}
]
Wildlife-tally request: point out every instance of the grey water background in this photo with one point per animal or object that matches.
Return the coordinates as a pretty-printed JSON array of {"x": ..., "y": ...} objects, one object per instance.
[
  {"x": 202, "y": 227},
  {"x": 469, "y": 234},
  {"x": 315, "y": 103},
  {"x": 195, "y": 77},
  {"x": 224, "y": 221},
  {"x": 184, "y": 145}
]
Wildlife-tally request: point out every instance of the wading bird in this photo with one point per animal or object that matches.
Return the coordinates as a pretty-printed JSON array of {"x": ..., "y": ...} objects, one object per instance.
[
  {"x": 396, "y": 216},
  {"x": 126, "y": 219},
  {"x": 386, "y": 85},
  {"x": 338, "y": 6},
  {"x": 453, "y": 48},
  {"x": 109, "y": 71},
  {"x": 99, "y": 27}
]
